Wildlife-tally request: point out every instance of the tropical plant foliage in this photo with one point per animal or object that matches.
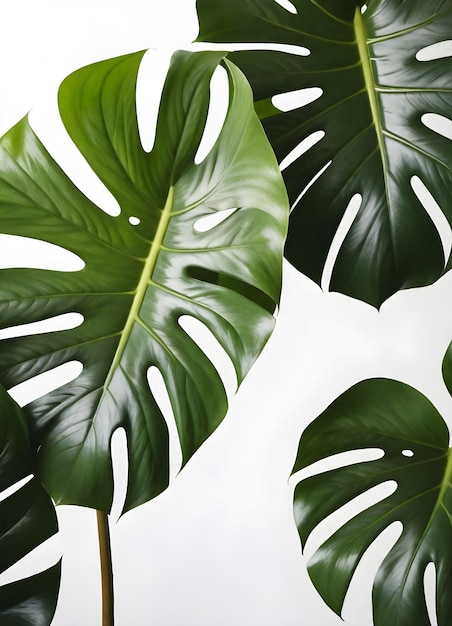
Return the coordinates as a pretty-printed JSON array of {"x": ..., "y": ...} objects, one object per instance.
[
  {"x": 27, "y": 518},
  {"x": 374, "y": 94},
  {"x": 139, "y": 280},
  {"x": 400, "y": 421},
  {"x": 361, "y": 132}
]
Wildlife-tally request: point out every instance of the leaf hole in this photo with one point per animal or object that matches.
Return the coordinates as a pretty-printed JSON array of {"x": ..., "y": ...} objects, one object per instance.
[
  {"x": 287, "y": 5},
  {"x": 364, "y": 8},
  {"x": 408, "y": 453},
  {"x": 235, "y": 284},
  {"x": 44, "y": 383},
  {"x": 313, "y": 180},
  {"x": 44, "y": 556},
  {"x": 216, "y": 114},
  {"x": 345, "y": 513},
  {"x": 134, "y": 221},
  {"x": 438, "y": 50},
  {"x": 345, "y": 224},
  {"x": 160, "y": 394},
  {"x": 48, "y": 126},
  {"x": 438, "y": 123},
  {"x": 150, "y": 80},
  {"x": 430, "y": 592},
  {"x": 119, "y": 460},
  {"x": 66, "y": 321},
  {"x": 17, "y": 251},
  {"x": 362, "y": 581},
  {"x": 296, "y": 99},
  {"x": 12, "y": 489},
  {"x": 208, "y": 222},
  {"x": 288, "y": 48},
  {"x": 301, "y": 148},
  {"x": 435, "y": 213},
  {"x": 335, "y": 461},
  {"x": 213, "y": 350}
]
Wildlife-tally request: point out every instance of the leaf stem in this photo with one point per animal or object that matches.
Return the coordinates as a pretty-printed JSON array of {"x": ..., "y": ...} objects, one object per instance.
[{"x": 106, "y": 569}]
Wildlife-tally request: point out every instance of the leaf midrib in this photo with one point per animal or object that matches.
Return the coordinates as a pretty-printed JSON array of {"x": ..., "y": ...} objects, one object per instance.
[
  {"x": 133, "y": 316},
  {"x": 371, "y": 87},
  {"x": 361, "y": 40},
  {"x": 142, "y": 286}
]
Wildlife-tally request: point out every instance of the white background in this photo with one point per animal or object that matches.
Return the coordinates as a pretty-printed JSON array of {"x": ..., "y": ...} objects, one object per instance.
[{"x": 219, "y": 547}]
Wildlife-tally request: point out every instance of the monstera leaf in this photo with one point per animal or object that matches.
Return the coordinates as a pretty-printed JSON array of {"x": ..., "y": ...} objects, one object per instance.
[
  {"x": 447, "y": 368},
  {"x": 374, "y": 92},
  {"x": 400, "y": 421},
  {"x": 27, "y": 518},
  {"x": 140, "y": 276}
]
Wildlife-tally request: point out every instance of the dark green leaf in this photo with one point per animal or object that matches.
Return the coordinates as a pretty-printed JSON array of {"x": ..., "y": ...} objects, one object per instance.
[
  {"x": 447, "y": 368},
  {"x": 374, "y": 94},
  {"x": 27, "y": 518},
  {"x": 404, "y": 424},
  {"x": 139, "y": 280}
]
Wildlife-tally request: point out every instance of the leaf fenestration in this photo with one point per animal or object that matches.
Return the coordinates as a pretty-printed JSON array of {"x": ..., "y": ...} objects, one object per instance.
[
  {"x": 399, "y": 420},
  {"x": 137, "y": 280},
  {"x": 375, "y": 92},
  {"x": 27, "y": 519}
]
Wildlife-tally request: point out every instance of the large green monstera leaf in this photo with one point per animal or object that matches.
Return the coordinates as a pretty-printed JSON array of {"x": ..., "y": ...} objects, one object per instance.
[
  {"x": 374, "y": 92},
  {"x": 27, "y": 518},
  {"x": 140, "y": 276},
  {"x": 400, "y": 421}
]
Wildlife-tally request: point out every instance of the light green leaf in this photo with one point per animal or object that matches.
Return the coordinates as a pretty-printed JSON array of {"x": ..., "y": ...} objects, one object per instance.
[
  {"x": 138, "y": 280},
  {"x": 400, "y": 421},
  {"x": 27, "y": 518},
  {"x": 375, "y": 92}
]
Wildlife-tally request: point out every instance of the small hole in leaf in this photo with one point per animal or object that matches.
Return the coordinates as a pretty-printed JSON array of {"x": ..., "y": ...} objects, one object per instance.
[
  {"x": 438, "y": 123},
  {"x": 17, "y": 251},
  {"x": 208, "y": 222},
  {"x": 439, "y": 50},
  {"x": 134, "y": 220},
  {"x": 216, "y": 114},
  {"x": 296, "y": 99},
  {"x": 302, "y": 147},
  {"x": 66, "y": 321},
  {"x": 286, "y": 4},
  {"x": 44, "y": 383},
  {"x": 407, "y": 452},
  {"x": 364, "y": 8}
]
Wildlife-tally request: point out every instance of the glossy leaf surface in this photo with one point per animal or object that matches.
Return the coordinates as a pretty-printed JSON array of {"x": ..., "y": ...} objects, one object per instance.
[
  {"x": 447, "y": 368},
  {"x": 374, "y": 94},
  {"x": 138, "y": 280},
  {"x": 27, "y": 518},
  {"x": 400, "y": 421}
]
